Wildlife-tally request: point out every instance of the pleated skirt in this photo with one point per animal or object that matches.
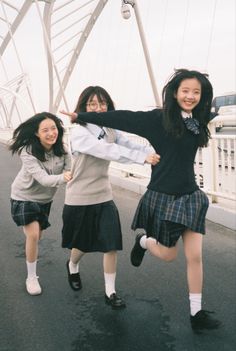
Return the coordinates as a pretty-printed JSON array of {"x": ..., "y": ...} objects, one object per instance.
[
  {"x": 166, "y": 217},
  {"x": 26, "y": 212},
  {"x": 92, "y": 228}
]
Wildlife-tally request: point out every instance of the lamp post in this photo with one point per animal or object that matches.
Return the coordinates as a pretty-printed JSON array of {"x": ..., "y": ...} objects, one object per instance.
[{"x": 125, "y": 11}]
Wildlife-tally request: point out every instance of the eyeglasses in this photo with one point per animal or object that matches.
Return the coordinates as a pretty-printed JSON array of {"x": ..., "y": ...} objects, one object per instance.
[{"x": 94, "y": 105}]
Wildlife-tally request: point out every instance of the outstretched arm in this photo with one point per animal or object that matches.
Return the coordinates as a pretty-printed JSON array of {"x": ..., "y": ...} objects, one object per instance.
[
  {"x": 151, "y": 156},
  {"x": 84, "y": 142},
  {"x": 138, "y": 122}
]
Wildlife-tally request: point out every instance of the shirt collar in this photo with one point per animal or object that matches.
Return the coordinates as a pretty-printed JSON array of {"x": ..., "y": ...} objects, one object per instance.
[{"x": 186, "y": 114}]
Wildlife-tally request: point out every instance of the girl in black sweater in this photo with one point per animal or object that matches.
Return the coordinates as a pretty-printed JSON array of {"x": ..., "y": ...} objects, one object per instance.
[{"x": 173, "y": 205}]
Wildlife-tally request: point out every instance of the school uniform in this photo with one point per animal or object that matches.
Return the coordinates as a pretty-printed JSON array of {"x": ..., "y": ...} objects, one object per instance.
[
  {"x": 173, "y": 201},
  {"x": 90, "y": 217},
  {"x": 35, "y": 185}
]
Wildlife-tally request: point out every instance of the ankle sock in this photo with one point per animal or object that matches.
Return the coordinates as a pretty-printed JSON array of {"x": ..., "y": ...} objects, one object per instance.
[
  {"x": 143, "y": 242},
  {"x": 109, "y": 283},
  {"x": 31, "y": 269},
  {"x": 73, "y": 267},
  {"x": 195, "y": 303}
]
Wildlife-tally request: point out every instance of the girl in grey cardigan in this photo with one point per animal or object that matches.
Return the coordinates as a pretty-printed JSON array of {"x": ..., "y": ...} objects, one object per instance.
[{"x": 45, "y": 165}]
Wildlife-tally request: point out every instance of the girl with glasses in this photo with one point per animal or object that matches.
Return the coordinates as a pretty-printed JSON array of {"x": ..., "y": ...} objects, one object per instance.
[{"x": 90, "y": 218}]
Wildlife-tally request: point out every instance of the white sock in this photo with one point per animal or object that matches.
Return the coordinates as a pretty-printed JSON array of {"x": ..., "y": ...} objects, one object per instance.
[
  {"x": 31, "y": 269},
  {"x": 110, "y": 279},
  {"x": 195, "y": 303},
  {"x": 73, "y": 267},
  {"x": 143, "y": 241},
  {"x": 148, "y": 240}
]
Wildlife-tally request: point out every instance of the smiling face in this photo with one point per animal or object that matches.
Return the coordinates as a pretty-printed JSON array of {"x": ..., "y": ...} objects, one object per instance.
[
  {"x": 47, "y": 133},
  {"x": 188, "y": 94}
]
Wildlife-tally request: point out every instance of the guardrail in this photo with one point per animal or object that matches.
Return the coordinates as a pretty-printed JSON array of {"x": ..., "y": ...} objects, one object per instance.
[{"x": 214, "y": 166}]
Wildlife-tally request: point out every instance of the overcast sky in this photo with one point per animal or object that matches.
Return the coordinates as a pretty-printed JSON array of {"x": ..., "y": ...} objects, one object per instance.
[{"x": 184, "y": 33}]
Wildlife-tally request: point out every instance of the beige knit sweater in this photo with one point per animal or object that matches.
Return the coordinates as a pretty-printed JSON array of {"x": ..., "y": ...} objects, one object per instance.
[{"x": 90, "y": 162}]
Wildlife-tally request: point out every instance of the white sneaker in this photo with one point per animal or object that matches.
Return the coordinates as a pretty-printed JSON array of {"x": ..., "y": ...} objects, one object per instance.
[{"x": 32, "y": 286}]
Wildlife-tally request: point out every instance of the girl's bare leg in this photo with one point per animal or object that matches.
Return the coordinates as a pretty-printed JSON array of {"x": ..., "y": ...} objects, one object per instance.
[
  {"x": 193, "y": 253},
  {"x": 109, "y": 267},
  {"x": 75, "y": 258},
  {"x": 158, "y": 250},
  {"x": 33, "y": 234}
]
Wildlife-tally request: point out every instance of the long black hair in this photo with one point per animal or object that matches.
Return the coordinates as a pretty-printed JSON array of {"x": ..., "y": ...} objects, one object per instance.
[
  {"x": 87, "y": 95},
  {"x": 25, "y": 136},
  {"x": 172, "y": 111}
]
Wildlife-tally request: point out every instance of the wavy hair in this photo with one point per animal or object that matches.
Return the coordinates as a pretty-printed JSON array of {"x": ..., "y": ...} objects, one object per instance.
[
  {"x": 172, "y": 111},
  {"x": 24, "y": 136}
]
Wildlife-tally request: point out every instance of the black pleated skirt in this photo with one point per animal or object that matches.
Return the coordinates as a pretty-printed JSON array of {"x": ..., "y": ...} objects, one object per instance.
[
  {"x": 166, "y": 217},
  {"x": 92, "y": 228}
]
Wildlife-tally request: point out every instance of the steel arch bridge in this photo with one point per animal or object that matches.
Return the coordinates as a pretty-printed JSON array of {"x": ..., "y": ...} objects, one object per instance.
[{"x": 66, "y": 26}]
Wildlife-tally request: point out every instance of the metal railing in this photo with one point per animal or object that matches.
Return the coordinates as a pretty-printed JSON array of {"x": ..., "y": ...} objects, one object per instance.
[{"x": 214, "y": 167}]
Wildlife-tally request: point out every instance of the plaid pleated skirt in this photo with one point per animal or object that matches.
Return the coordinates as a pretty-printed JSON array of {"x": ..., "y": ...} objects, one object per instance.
[
  {"x": 166, "y": 217},
  {"x": 26, "y": 212},
  {"x": 92, "y": 228}
]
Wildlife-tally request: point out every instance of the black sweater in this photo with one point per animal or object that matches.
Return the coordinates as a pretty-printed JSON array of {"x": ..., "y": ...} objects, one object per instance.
[{"x": 174, "y": 174}]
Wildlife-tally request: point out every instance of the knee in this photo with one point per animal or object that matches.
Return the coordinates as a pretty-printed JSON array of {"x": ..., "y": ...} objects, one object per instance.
[
  {"x": 194, "y": 258},
  {"x": 169, "y": 257},
  {"x": 168, "y": 254},
  {"x": 34, "y": 236}
]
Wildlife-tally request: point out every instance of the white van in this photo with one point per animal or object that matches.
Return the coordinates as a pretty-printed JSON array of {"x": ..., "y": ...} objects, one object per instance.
[
  {"x": 225, "y": 119},
  {"x": 227, "y": 99}
]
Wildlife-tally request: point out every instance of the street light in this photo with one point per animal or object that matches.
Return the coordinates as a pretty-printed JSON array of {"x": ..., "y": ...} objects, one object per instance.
[
  {"x": 126, "y": 13},
  {"x": 125, "y": 10}
]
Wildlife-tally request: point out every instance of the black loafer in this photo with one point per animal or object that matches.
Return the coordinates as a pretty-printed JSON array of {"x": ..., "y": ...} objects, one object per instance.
[
  {"x": 137, "y": 252},
  {"x": 204, "y": 320},
  {"x": 73, "y": 279},
  {"x": 114, "y": 301}
]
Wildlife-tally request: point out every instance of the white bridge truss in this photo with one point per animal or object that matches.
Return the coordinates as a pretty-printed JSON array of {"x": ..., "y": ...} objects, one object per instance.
[
  {"x": 63, "y": 42},
  {"x": 66, "y": 26}
]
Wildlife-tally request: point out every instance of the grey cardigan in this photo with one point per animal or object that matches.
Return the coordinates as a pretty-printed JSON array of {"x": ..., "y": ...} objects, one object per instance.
[{"x": 38, "y": 181}]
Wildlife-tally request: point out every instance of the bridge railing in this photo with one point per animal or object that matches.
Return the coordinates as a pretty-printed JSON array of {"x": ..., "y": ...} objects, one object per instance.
[{"x": 214, "y": 166}]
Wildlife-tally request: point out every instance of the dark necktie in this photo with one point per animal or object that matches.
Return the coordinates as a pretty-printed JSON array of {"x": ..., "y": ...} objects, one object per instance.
[
  {"x": 192, "y": 124},
  {"x": 102, "y": 134}
]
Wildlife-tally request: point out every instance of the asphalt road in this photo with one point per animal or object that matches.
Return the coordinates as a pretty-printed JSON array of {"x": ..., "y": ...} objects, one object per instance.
[{"x": 157, "y": 313}]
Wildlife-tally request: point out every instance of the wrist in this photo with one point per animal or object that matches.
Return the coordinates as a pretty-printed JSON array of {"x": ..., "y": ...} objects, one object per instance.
[{"x": 74, "y": 118}]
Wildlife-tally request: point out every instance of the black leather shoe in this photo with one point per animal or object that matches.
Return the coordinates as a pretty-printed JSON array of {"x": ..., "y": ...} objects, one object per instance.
[
  {"x": 137, "y": 252},
  {"x": 73, "y": 279},
  {"x": 203, "y": 320},
  {"x": 114, "y": 301}
]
